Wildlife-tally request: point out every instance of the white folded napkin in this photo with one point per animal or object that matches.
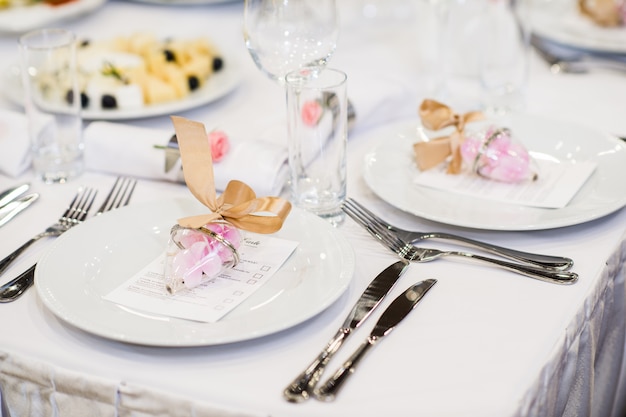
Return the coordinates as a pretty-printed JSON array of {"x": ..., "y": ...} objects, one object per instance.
[
  {"x": 129, "y": 150},
  {"x": 380, "y": 98},
  {"x": 14, "y": 143}
]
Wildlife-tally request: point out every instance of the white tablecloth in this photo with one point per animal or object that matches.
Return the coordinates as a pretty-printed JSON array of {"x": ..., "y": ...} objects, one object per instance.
[{"x": 482, "y": 343}]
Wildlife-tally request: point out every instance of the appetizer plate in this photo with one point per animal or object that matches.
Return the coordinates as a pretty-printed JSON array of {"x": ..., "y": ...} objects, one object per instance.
[
  {"x": 219, "y": 85},
  {"x": 92, "y": 259},
  {"x": 21, "y": 19},
  {"x": 389, "y": 170},
  {"x": 568, "y": 26}
]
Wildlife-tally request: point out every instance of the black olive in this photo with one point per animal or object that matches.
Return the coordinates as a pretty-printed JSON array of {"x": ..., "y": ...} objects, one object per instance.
[
  {"x": 193, "y": 82},
  {"x": 218, "y": 63},
  {"x": 109, "y": 102},
  {"x": 69, "y": 97},
  {"x": 84, "y": 100},
  {"x": 169, "y": 55}
]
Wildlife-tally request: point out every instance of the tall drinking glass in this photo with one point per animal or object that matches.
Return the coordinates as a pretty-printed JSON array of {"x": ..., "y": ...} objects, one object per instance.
[{"x": 52, "y": 103}]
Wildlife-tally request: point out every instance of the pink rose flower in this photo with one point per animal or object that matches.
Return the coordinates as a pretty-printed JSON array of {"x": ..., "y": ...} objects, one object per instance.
[
  {"x": 220, "y": 145},
  {"x": 311, "y": 112}
]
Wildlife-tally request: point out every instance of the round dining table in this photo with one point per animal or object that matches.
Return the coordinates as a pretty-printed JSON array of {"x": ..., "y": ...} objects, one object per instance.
[{"x": 483, "y": 341}]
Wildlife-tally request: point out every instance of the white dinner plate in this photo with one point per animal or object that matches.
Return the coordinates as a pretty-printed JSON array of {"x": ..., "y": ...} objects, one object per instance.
[
  {"x": 24, "y": 18},
  {"x": 567, "y": 26},
  {"x": 90, "y": 260},
  {"x": 390, "y": 169},
  {"x": 216, "y": 87}
]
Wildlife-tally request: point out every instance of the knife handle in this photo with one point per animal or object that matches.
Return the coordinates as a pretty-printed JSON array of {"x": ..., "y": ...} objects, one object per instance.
[
  {"x": 299, "y": 389},
  {"x": 329, "y": 390}
]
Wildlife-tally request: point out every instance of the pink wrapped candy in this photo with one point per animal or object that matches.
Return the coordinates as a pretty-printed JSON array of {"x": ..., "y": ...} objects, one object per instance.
[
  {"x": 195, "y": 256},
  {"x": 496, "y": 155}
]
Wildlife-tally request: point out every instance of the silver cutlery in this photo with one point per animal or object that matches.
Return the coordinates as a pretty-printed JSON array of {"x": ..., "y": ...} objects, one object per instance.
[
  {"x": 394, "y": 314},
  {"x": 417, "y": 254},
  {"x": 12, "y": 193},
  {"x": 119, "y": 196},
  {"x": 577, "y": 64},
  {"x": 304, "y": 383},
  {"x": 13, "y": 208},
  {"x": 74, "y": 214},
  {"x": 376, "y": 226}
]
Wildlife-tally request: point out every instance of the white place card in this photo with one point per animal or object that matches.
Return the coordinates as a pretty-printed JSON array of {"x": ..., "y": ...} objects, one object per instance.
[
  {"x": 260, "y": 257},
  {"x": 555, "y": 186}
]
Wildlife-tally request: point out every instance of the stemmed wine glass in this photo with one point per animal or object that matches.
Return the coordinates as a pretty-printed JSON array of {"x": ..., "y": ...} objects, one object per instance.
[{"x": 285, "y": 35}]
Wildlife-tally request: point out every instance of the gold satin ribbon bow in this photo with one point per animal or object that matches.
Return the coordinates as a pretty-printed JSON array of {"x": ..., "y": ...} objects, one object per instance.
[
  {"x": 435, "y": 116},
  {"x": 602, "y": 12},
  {"x": 238, "y": 204}
]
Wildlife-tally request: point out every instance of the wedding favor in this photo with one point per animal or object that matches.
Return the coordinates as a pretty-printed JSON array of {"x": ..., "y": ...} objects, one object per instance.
[
  {"x": 492, "y": 152},
  {"x": 201, "y": 247}
]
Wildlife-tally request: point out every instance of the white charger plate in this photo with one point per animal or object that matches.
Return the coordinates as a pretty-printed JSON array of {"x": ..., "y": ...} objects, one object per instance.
[
  {"x": 217, "y": 86},
  {"x": 389, "y": 171},
  {"x": 567, "y": 26},
  {"x": 91, "y": 259},
  {"x": 24, "y": 18}
]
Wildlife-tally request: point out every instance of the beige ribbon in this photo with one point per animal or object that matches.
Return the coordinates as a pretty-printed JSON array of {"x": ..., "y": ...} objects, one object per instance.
[
  {"x": 435, "y": 116},
  {"x": 602, "y": 12},
  {"x": 238, "y": 204}
]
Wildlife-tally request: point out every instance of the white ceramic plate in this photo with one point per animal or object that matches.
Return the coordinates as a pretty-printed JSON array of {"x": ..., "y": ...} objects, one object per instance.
[
  {"x": 569, "y": 27},
  {"x": 23, "y": 19},
  {"x": 220, "y": 84},
  {"x": 92, "y": 259},
  {"x": 390, "y": 169}
]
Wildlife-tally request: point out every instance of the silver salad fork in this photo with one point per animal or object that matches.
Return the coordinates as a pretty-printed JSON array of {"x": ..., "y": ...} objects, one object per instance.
[
  {"x": 376, "y": 225},
  {"x": 409, "y": 252},
  {"x": 119, "y": 196},
  {"x": 75, "y": 213}
]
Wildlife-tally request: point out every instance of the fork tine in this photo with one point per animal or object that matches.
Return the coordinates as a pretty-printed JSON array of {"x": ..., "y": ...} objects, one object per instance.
[
  {"x": 86, "y": 207},
  {"x": 368, "y": 219},
  {"x": 385, "y": 236},
  {"x": 80, "y": 206},
  {"x": 119, "y": 195},
  {"x": 368, "y": 214}
]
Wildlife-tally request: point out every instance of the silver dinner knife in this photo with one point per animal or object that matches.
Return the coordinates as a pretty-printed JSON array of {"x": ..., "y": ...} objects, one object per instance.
[
  {"x": 12, "y": 193},
  {"x": 304, "y": 383},
  {"x": 12, "y": 209},
  {"x": 397, "y": 310}
]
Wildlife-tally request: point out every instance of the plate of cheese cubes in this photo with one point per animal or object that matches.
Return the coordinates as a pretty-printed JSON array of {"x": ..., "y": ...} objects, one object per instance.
[{"x": 142, "y": 75}]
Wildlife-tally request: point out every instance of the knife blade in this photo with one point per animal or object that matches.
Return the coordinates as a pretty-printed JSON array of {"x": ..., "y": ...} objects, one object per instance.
[
  {"x": 394, "y": 314},
  {"x": 380, "y": 286},
  {"x": 12, "y": 209},
  {"x": 12, "y": 193}
]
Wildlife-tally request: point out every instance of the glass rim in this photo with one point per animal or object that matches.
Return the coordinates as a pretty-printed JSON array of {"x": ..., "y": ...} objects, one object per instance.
[
  {"x": 47, "y": 38},
  {"x": 299, "y": 77}
]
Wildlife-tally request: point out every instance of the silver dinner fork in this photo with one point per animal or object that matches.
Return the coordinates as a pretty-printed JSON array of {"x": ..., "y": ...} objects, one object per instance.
[
  {"x": 75, "y": 213},
  {"x": 375, "y": 225},
  {"x": 119, "y": 196},
  {"x": 406, "y": 250}
]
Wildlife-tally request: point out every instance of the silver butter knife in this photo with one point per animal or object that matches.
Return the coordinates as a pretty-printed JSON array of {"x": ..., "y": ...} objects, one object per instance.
[
  {"x": 397, "y": 310},
  {"x": 304, "y": 383},
  {"x": 12, "y": 193},
  {"x": 12, "y": 209}
]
